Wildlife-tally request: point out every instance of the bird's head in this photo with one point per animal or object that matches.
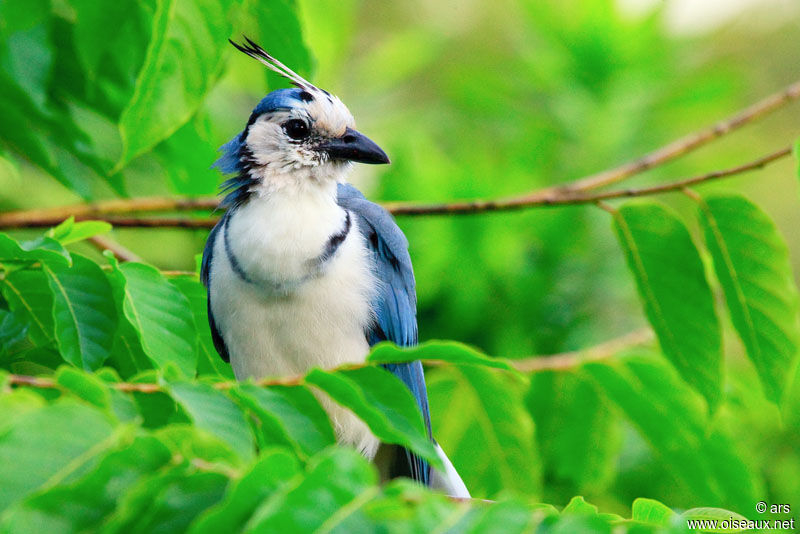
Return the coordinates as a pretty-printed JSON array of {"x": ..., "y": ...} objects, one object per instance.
[{"x": 304, "y": 130}]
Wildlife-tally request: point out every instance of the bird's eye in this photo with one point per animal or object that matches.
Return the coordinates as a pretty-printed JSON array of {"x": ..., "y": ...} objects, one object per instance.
[{"x": 296, "y": 129}]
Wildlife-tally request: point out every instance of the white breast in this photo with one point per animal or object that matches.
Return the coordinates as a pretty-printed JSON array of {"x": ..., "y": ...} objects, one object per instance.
[{"x": 321, "y": 321}]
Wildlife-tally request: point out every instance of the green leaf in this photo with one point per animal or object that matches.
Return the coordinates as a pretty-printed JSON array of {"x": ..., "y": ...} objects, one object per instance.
[
  {"x": 491, "y": 444},
  {"x": 69, "y": 231},
  {"x": 190, "y": 442},
  {"x": 183, "y": 60},
  {"x": 85, "y": 504},
  {"x": 83, "y": 311},
  {"x": 579, "y": 506},
  {"x": 43, "y": 248},
  {"x": 167, "y": 502},
  {"x": 48, "y": 445},
  {"x": 12, "y": 330},
  {"x": 506, "y": 517},
  {"x": 752, "y": 263},
  {"x": 85, "y": 386},
  {"x": 581, "y": 455},
  {"x": 674, "y": 292},
  {"x": 212, "y": 410},
  {"x": 272, "y": 470},
  {"x": 111, "y": 54},
  {"x": 404, "y": 507},
  {"x": 277, "y": 29},
  {"x": 186, "y": 157},
  {"x": 673, "y": 420},
  {"x": 712, "y": 514},
  {"x": 652, "y": 512},
  {"x": 335, "y": 478},
  {"x": 29, "y": 59},
  {"x": 127, "y": 355},
  {"x": 161, "y": 316},
  {"x": 29, "y": 297},
  {"x": 383, "y": 402},
  {"x": 209, "y": 361},
  {"x": 444, "y": 351},
  {"x": 289, "y": 415}
]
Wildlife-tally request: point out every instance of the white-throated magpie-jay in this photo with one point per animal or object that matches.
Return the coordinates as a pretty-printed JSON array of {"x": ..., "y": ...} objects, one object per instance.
[{"x": 304, "y": 271}]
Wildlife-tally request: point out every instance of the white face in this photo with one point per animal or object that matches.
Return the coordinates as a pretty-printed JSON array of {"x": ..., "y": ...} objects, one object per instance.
[{"x": 288, "y": 140}]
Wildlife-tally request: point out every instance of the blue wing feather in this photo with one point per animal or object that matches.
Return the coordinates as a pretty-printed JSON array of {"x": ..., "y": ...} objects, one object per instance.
[
  {"x": 205, "y": 267},
  {"x": 396, "y": 304}
]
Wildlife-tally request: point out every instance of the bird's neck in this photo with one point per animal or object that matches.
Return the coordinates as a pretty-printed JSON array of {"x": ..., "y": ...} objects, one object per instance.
[
  {"x": 277, "y": 233},
  {"x": 295, "y": 183}
]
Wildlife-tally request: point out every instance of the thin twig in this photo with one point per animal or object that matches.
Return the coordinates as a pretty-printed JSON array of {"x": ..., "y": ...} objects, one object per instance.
[
  {"x": 104, "y": 243},
  {"x": 543, "y": 197},
  {"x": 555, "y": 362},
  {"x": 690, "y": 142},
  {"x": 569, "y": 197},
  {"x": 563, "y": 198},
  {"x": 108, "y": 207},
  {"x": 173, "y": 273},
  {"x": 569, "y": 360}
]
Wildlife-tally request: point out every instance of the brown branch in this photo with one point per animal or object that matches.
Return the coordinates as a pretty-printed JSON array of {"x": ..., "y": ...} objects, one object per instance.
[
  {"x": 123, "y": 254},
  {"x": 543, "y": 197},
  {"x": 555, "y": 362},
  {"x": 562, "y": 198},
  {"x": 568, "y": 360},
  {"x": 569, "y": 197},
  {"x": 690, "y": 142},
  {"x": 94, "y": 210}
]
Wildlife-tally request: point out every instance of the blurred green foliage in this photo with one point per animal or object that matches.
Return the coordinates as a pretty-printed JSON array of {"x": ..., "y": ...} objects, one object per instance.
[{"x": 470, "y": 100}]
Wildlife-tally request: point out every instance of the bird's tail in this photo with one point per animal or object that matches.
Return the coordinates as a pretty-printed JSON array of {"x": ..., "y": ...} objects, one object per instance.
[{"x": 448, "y": 481}]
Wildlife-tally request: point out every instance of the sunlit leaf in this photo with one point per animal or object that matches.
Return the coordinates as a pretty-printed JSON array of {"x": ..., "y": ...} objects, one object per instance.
[
  {"x": 382, "y": 402},
  {"x": 673, "y": 420},
  {"x": 187, "y": 155},
  {"x": 652, "y": 512},
  {"x": 48, "y": 445},
  {"x": 752, "y": 263},
  {"x": 43, "y": 248},
  {"x": 83, "y": 310},
  {"x": 161, "y": 315},
  {"x": 183, "y": 60},
  {"x": 674, "y": 292},
  {"x": 268, "y": 474},
  {"x": 276, "y": 28},
  {"x": 714, "y": 514},
  {"x": 289, "y": 415},
  {"x": 69, "y": 231},
  {"x": 335, "y": 478},
  {"x": 493, "y": 449},
  {"x": 212, "y": 410},
  {"x": 83, "y": 505},
  {"x": 84, "y": 385},
  {"x": 445, "y": 351}
]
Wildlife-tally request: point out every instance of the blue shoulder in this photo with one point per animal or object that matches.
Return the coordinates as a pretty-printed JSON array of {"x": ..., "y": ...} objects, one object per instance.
[{"x": 395, "y": 306}]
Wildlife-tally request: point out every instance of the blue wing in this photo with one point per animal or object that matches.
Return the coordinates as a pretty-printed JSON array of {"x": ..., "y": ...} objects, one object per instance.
[
  {"x": 396, "y": 304},
  {"x": 205, "y": 266}
]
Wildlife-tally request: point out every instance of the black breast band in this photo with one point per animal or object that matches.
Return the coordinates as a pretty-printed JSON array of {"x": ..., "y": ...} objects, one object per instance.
[{"x": 317, "y": 264}]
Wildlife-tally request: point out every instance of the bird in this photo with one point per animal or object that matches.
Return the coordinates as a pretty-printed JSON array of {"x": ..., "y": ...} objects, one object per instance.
[{"x": 302, "y": 270}]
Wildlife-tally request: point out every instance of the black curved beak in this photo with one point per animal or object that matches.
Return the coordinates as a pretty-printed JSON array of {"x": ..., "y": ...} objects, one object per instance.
[{"x": 354, "y": 146}]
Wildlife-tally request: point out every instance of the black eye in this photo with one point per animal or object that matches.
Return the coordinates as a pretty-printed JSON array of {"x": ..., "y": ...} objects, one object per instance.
[{"x": 296, "y": 129}]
